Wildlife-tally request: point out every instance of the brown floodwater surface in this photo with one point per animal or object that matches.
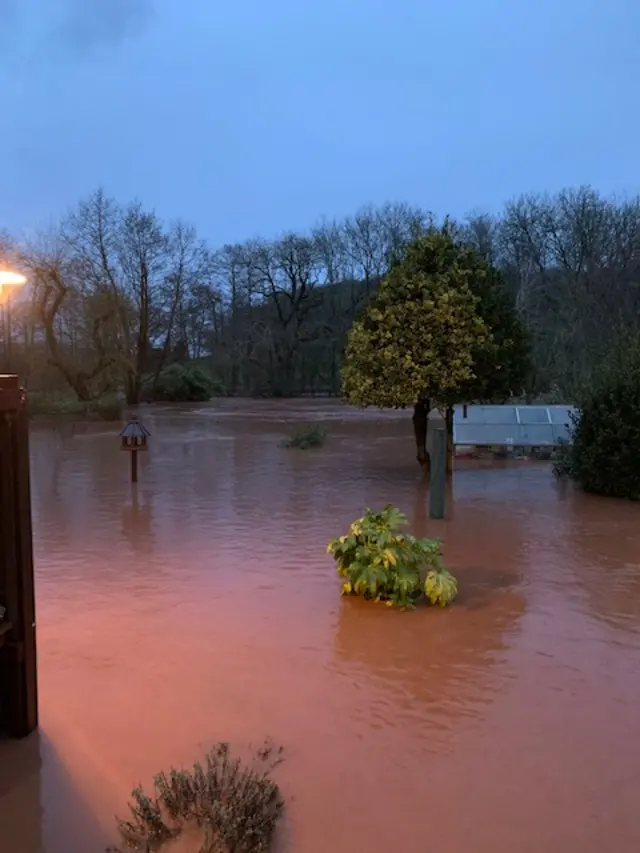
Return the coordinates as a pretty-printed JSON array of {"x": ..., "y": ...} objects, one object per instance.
[{"x": 201, "y": 606}]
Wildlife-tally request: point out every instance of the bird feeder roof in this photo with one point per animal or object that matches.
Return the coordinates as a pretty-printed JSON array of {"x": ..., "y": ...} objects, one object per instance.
[{"x": 134, "y": 429}]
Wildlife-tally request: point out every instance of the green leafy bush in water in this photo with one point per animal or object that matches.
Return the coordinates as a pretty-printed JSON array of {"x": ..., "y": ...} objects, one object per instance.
[
  {"x": 180, "y": 383},
  {"x": 604, "y": 454},
  {"x": 377, "y": 561},
  {"x": 233, "y": 806},
  {"x": 307, "y": 438}
]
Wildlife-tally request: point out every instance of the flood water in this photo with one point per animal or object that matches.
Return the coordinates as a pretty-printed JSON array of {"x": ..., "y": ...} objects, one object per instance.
[{"x": 202, "y": 607}]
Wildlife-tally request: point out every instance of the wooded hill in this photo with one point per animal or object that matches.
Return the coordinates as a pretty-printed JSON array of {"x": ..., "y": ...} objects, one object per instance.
[{"x": 115, "y": 293}]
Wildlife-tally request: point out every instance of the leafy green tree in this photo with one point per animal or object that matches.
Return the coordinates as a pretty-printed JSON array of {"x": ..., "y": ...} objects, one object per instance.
[
  {"x": 418, "y": 338},
  {"x": 604, "y": 456},
  {"x": 501, "y": 364}
]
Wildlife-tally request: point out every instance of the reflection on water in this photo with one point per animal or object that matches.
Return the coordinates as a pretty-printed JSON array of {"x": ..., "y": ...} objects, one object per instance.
[
  {"x": 435, "y": 666},
  {"x": 39, "y": 800},
  {"x": 200, "y": 605}
]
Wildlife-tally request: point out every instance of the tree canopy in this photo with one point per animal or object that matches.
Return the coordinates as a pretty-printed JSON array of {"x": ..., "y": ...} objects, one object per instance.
[
  {"x": 440, "y": 327},
  {"x": 502, "y": 364}
]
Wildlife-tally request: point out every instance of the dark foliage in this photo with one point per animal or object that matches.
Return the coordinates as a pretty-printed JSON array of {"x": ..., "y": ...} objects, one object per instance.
[
  {"x": 604, "y": 456},
  {"x": 504, "y": 369},
  {"x": 307, "y": 438},
  {"x": 183, "y": 384}
]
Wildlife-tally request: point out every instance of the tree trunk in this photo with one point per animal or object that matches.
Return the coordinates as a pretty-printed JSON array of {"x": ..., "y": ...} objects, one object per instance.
[
  {"x": 131, "y": 389},
  {"x": 167, "y": 340},
  {"x": 450, "y": 449},
  {"x": 75, "y": 379},
  {"x": 78, "y": 380},
  {"x": 420, "y": 429}
]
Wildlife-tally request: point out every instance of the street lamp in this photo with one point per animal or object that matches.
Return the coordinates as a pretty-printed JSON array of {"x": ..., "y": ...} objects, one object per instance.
[
  {"x": 11, "y": 279},
  {"x": 8, "y": 280}
]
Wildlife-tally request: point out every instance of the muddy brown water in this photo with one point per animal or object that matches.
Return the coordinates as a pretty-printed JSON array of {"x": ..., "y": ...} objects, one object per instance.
[{"x": 202, "y": 606}]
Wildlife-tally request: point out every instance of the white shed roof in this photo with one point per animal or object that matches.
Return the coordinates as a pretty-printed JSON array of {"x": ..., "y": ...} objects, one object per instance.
[{"x": 520, "y": 426}]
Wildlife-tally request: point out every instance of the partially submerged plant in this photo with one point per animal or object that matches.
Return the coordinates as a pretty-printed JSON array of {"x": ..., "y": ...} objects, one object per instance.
[
  {"x": 440, "y": 587},
  {"x": 379, "y": 562},
  {"x": 235, "y": 806},
  {"x": 307, "y": 437}
]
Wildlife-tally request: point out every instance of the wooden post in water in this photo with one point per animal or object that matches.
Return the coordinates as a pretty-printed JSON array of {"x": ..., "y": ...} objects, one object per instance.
[
  {"x": 134, "y": 466},
  {"x": 18, "y": 662},
  {"x": 438, "y": 481}
]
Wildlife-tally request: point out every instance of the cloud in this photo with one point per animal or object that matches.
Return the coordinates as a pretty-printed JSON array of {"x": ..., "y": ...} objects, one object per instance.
[
  {"x": 86, "y": 24},
  {"x": 77, "y": 26},
  {"x": 8, "y": 12}
]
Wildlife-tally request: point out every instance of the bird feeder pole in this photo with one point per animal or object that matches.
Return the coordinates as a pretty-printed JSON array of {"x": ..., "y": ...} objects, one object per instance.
[{"x": 133, "y": 439}]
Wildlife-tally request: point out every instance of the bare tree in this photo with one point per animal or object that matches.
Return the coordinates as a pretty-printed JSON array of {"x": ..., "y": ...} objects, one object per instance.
[
  {"x": 575, "y": 257},
  {"x": 123, "y": 254},
  {"x": 71, "y": 318},
  {"x": 188, "y": 270}
]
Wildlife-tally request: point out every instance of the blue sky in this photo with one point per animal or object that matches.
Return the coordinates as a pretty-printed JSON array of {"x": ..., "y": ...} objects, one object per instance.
[{"x": 249, "y": 118}]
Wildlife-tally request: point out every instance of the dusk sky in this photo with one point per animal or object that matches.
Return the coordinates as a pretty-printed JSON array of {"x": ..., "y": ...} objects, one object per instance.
[{"x": 251, "y": 117}]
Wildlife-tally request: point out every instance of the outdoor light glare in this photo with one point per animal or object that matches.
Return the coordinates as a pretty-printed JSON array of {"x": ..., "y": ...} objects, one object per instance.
[
  {"x": 8, "y": 280},
  {"x": 11, "y": 279}
]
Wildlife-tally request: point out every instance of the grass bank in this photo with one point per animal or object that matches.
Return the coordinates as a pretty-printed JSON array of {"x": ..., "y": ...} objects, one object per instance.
[{"x": 105, "y": 408}]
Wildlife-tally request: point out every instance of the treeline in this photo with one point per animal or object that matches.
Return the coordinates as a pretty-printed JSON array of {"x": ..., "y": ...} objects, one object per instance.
[{"x": 116, "y": 295}]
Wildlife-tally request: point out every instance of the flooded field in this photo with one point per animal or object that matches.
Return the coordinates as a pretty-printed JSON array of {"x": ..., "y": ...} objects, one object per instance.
[{"x": 202, "y": 607}]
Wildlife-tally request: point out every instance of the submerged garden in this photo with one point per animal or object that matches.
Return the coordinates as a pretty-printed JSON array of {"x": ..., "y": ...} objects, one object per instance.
[
  {"x": 439, "y": 331},
  {"x": 440, "y": 327}
]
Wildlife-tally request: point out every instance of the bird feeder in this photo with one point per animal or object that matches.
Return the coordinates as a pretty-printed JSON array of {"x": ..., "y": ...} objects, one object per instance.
[{"x": 133, "y": 438}]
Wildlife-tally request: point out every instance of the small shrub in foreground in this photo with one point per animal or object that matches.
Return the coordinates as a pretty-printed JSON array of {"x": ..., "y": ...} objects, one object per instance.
[
  {"x": 379, "y": 562},
  {"x": 307, "y": 438},
  {"x": 233, "y": 806}
]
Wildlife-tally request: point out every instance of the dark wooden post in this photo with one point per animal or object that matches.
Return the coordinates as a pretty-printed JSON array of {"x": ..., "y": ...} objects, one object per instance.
[
  {"x": 18, "y": 664},
  {"x": 134, "y": 466},
  {"x": 438, "y": 483}
]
